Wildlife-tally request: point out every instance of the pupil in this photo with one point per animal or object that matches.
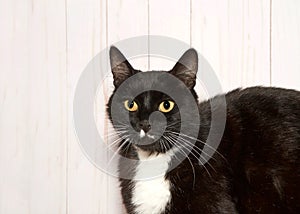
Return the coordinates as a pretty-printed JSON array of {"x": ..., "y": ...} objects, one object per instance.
[
  {"x": 130, "y": 105},
  {"x": 166, "y": 104}
]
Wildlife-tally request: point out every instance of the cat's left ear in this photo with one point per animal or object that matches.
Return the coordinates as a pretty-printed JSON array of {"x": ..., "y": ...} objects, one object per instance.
[
  {"x": 186, "y": 68},
  {"x": 120, "y": 67}
]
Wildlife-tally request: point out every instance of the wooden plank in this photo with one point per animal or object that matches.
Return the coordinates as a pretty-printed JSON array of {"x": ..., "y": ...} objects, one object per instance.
[
  {"x": 234, "y": 36},
  {"x": 286, "y": 44},
  {"x": 171, "y": 19},
  {"x": 127, "y": 20},
  {"x": 33, "y": 107},
  {"x": 86, "y": 36}
]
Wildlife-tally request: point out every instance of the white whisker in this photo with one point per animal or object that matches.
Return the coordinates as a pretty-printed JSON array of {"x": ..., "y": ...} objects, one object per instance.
[
  {"x": 197, "y": 159},
  {"x": 116, "y": 152},
  {"x": 186, "y": 155},
  {"x": 192, "y": 148},
  {"x": 204, "y": 143}
]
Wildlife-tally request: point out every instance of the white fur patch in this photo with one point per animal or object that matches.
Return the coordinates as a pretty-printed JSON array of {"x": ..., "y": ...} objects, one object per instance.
[
  {"x": 151, "y": 196},
  {"x": 142, "y": 133}
]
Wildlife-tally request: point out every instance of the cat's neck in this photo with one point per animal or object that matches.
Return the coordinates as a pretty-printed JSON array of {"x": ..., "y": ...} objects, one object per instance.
[{"x": 151, "y": 195}]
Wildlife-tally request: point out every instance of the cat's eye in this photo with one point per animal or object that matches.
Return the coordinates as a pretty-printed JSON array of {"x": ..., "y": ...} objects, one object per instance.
[
  {"x": 131, "y": 105},
  {"x": 166, "y": 106}
]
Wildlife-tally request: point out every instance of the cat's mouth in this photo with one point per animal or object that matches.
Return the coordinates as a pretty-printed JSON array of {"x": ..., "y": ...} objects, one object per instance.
[
  {"x": 146, "y": 139},
  {"x": 150, "y": 141},
  {"x": 146, "y": 135}
]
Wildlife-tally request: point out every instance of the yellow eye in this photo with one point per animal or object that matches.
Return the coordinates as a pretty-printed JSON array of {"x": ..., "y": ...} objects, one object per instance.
[
  {"x": 131, "y": 105},
  {"x": 166, "y": 106}
]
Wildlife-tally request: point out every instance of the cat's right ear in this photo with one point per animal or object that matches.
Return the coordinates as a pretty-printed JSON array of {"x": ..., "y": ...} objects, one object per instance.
[
  {"x": 186, "y": 68},
  {"x": 120, "y": 67}
]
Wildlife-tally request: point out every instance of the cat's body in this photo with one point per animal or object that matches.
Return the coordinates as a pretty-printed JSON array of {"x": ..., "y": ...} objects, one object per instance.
[{"x": 256, "y": 168}]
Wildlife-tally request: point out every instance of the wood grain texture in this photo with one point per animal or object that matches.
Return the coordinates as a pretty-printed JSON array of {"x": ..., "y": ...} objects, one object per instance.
[
  {"x": 44, "y": 47},
  {"x": 234, "y": 36},
  {"x": 286, "y": 44},
  {"x": 86, "y": 36},
  {"x": 125, "y": 20},
  {"x": 166, "y": 19},
  {"x": 33, "y": 107}
]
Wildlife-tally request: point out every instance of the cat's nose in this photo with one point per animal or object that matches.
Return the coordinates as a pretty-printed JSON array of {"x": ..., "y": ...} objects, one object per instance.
[{"x": 145, "y": 125}]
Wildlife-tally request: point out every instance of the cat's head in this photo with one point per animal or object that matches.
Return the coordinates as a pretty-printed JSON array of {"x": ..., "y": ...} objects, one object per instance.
[{"x": 149, "y": 120}]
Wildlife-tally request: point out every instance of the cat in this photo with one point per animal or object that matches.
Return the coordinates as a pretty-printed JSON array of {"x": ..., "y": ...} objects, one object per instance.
[{"x": 255, "y": 168}]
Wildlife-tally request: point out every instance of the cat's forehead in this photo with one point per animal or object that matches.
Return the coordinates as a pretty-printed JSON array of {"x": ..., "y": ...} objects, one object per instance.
[
  {"x": 150, "y": 97},
  {"x": 146, "y": 84},
  {"x": 146, "y": 79}
]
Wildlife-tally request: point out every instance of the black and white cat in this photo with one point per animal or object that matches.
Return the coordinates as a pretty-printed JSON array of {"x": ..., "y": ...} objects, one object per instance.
[{"x": 256, "y": 168}]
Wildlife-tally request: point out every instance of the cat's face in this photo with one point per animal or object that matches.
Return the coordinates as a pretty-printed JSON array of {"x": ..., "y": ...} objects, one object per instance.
[{"x": 151, "y": 119}]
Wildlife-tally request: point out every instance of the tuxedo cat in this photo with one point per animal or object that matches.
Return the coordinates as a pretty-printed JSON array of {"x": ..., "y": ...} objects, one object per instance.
[{"x": 255, "y": 169}]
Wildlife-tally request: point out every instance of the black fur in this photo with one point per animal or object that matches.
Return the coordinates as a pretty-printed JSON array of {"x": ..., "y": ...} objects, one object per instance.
[{"x": 256, "y": 168}]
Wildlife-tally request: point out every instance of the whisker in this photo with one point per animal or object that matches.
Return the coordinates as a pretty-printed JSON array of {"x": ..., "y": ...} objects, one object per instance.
[
  {"x": 192, "y": 148},
  {"x": 204, "y": 143},
  {"x": 115, "y": 142},
  {"x": 198, "y": 160},
  {"x": 160, "y": 144},
  {"x": 170, "y": 147},
  {"x": 127, "y": 147},
  {"x": 116, "y": 152},
  {"x": 192, "y": 166},
  {"x": 115, "y": 133}
]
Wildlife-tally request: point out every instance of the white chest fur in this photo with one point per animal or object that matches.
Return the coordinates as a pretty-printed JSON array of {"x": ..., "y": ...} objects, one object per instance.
[{"x": 151, "y": 196}]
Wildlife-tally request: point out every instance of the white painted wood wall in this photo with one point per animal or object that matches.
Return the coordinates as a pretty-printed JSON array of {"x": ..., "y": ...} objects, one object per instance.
[{"x": 45, "y": 45}]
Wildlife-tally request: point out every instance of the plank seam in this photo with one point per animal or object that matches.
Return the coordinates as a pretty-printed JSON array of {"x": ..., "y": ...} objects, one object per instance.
[{"x": 67, "y": 116}]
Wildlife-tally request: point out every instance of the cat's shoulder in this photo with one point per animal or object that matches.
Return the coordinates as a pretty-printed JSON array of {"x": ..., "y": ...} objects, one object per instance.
[
  {"x": 265, "y": 99},
  {"x": 263, "y": 92}
]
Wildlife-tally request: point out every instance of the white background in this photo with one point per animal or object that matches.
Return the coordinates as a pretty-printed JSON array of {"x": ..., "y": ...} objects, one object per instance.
[{"x": 45, "y": 45}]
